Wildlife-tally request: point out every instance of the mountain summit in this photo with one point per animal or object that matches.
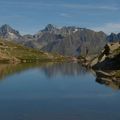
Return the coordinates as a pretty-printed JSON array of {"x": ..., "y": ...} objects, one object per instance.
[
  {"x": 49, "y": 28},
  {"x": 8, "y": 32}
]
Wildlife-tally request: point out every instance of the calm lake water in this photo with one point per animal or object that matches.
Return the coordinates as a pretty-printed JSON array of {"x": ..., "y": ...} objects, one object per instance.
[{"x": 61, "y": 91}]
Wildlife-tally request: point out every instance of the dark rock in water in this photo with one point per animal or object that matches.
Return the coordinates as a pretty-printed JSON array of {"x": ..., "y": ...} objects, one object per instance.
[
  {"x": 105, "y": 81},
  {"x": 108, "y": 79},
  {"x": 102, "y": 74},
  {"x": 109, "y": 82}
]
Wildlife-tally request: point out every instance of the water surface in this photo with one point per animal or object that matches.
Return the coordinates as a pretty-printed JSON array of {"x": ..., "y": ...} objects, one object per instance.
[{"x": 55, "y": 91}]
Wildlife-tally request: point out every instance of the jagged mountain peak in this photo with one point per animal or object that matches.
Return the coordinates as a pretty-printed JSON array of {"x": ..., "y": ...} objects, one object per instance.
[
  {"x": 6, "y": 26},
  {"x": 113, "y": 37},
  {"x": 113, "y": 34},
  {"x": 4, "y": 29},
  {"x": 9, "y": 33},
  {"x": 50, "y": 27}
]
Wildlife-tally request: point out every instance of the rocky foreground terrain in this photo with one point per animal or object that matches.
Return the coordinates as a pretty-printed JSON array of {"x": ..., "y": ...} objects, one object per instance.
[
  {"x": 109, "y": 58},
  {"x": 107, "y": 64}
]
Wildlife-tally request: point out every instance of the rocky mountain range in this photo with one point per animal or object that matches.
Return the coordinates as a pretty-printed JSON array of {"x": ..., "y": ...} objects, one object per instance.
[
  {"x": 71, "y": 40},
  {"x": 114, "y": 37}
]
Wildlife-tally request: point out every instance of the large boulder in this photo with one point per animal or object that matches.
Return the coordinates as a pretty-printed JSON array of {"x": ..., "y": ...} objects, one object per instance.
[{"x": 109, "y": 58}]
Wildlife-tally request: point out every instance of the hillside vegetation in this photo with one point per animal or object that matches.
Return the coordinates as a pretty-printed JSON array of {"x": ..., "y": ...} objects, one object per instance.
[{"x": 11, "y": 52}]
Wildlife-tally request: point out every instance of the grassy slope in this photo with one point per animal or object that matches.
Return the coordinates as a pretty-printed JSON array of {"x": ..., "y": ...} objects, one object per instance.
[{"x": 12, "y": 52}]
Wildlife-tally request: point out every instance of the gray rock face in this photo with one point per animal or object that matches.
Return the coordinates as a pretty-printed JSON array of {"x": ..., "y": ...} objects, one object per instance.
[
  {"x": 113, "y": 37},
  {"x": 9, "y": 33},
  {"x": 70, "y": 40}
]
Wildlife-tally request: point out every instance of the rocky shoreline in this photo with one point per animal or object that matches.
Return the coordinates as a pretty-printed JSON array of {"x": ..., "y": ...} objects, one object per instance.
[{"x": 106, "y": 64}]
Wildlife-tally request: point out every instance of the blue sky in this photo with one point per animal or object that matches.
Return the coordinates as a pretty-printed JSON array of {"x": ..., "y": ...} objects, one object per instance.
[{"x": 29, "y": 16}]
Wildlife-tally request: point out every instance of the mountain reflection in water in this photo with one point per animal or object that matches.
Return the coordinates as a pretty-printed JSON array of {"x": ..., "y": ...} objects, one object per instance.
[
  {"x": 70, "y": 69},
  {"x": 51, "y": 70}
]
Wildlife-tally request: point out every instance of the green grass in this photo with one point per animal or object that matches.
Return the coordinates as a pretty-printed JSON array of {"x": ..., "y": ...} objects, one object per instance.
[
  {"x": 117, "y": 74},
  {"x": 14, "y": 52}
]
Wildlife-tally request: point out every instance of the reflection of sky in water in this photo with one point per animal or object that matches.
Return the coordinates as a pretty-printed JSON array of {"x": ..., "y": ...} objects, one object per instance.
[{"x": 59, "y": 91}]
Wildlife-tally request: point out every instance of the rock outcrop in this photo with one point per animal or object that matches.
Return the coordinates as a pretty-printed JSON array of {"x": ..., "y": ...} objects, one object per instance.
[
  {"x": 109, "y": 58},
  {"x": 107, "y": 65}
]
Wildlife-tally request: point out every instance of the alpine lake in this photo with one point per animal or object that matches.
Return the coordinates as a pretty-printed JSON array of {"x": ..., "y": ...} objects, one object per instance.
[{"x": 56, "y": 91}]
